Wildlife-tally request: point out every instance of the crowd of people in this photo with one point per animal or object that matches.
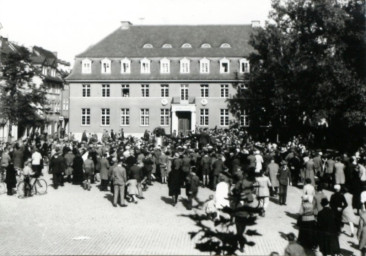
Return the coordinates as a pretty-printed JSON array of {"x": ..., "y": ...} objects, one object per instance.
[{"x": 244, "y": 174}]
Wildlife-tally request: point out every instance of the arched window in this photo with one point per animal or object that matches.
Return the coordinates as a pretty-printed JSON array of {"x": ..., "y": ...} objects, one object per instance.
[
  {"x": 145, "y": 66},
  {"x": 184, "y": 66},
  {"x": 205, "y": 45},
  {"x": 148, "y": 46},
  {"x": 186, "y": 45},
  {"x": 204, "y": 66},
  {"x": 167, "y": 46},
  {"x": 225, "y": 45},
  {"x": 106, "y": 66},
  {"x": 165, "y": 66},
  {"x": 125, "y": 66},
  {"x": 244, "y": 66},
  {"x": 224, "y": 66},
  {"x": 86, "y": 66}
]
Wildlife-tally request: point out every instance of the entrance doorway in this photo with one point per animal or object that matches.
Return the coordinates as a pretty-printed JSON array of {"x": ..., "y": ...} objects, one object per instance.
[{"x": 184, "y": 122}]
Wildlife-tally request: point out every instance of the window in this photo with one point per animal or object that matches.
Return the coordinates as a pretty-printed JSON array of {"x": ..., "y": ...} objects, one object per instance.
[
  {"x": 125, "y": 90},
  {"x": 224, "y": 66},
  {"x": 65, "y": 105},
  {"x": 224, "y": 91},
  {"x": 184, "y": 92},
  {"x": 106, "y": 116},
  {"x": 86, "y": 66},
  {"x": 105, "y": 90},
  {"x": 204, "y": 66},
  {"x": 125, "y": 66},
  {"x": 145, "y": 66},
  {"x": 224, "y": 117},
  {"x": 204, "y": 116},
  {"x": 205, "y": 46},
  {"x": 184, "y": 66},
  {"x": 244, "y": 119},
  {"x": 125, "y": 116},
  {"x": 148, "y": 46},
  {"x": 225, "y": 45},
  {"x": 244, "y": 66},
  {"x": 164, "y": 90},
  {"x": 144, "y": 117},
  {"x": 167, "y": 46},
  {"x": 164, "y": 116},
  {"x": 85, "y": 116},
  {"x": 145, "y": 90},
  {"x": 204, "y": 90},
  {"x": 86, "y": 90},
  {"x": 242, "y": 88},
  {"x": 106, "y": 66},
  {"x": 186, "y": 45},
  {"x": 165, "y": 66}
]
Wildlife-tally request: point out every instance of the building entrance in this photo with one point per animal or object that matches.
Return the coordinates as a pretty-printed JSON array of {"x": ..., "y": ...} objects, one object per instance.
[{"x": 184, "y": 122}]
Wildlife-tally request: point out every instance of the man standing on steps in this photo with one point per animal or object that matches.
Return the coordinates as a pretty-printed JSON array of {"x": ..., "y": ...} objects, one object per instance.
[{"x": 119, "y": 182}]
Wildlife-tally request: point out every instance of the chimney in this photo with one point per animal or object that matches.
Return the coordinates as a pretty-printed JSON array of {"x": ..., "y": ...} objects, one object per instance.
[
  {"x": 256, "y": 23},
  {"x": 125, "y": 25}
]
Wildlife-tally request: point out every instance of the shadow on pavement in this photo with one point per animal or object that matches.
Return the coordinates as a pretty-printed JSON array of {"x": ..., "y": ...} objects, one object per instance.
[
  {"x": 109, "y": 197},
  {"x": 167, "y": 200},
  {"x": 274, "y": 200}
]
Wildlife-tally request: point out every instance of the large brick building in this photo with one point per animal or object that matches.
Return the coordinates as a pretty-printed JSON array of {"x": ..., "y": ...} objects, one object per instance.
[{"x": 174, "y": 76}]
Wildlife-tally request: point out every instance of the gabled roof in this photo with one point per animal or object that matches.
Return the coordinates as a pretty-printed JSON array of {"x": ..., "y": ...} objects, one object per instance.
[{"x": 129, "y": 42}]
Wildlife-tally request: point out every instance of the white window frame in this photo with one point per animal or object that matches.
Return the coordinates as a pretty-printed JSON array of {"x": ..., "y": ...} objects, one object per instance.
[
  {"x": 244, "y": 66},
  {"x": 186, "y": 45},
  {"x": 125, "y": 66},
  {"x": 164, "y": 116},
  {"x": 85, "y": 90},
  {"x": 106, "y": 90},
  {"x": 86, "y": 66},
  {"x": 85, "y": 116},
  {"x": 145, "y": 90},
  {"x": 204, "y": 117},
  {"x": 184, "y": 92},
  {"x": 144, "y": 116},
  {"x": 204, "y": 66},
  {"x": 164, "y": 90},
  {"x": 106, "y": 117},
  {"x": 148, "y": 46},
  {"x": 127, "y": 88},
  {"x": 205, "y": 91},
  {"x": 222, "y": 67},
  {"x": 184, "y": 66},
  {"x": 165, "y": 66},
  {"x": 65, "y": 105},
  {"x": 125, "y": 116},
  {"x": 106, "y": 66},
  {"x": 145, "y": 66},
  {"x": 205, "y": 45},
  {"x": 225, "y": 45},
  {"x": 244, "y": 119},
  {"x": 224, "y": 91},
  {"x": 224, "y": 117},
  {"x": 166, "y": 46}
]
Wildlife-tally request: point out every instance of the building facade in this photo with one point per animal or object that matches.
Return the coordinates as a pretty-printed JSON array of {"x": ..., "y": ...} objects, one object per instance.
[{"x": 176, "y": 77}]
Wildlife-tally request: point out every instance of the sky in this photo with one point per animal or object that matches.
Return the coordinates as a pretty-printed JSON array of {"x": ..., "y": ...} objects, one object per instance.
[{"x": 69, "y": 27}]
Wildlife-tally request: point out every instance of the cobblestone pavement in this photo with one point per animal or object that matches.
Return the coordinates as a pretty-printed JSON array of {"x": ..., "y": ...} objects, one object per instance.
[{"x": 73, "y": 221}]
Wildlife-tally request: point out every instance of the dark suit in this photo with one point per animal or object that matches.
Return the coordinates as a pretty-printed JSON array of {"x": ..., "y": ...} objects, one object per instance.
[
  {"x": 284, "y": 177},
  {"x": 328, "y": 234}
]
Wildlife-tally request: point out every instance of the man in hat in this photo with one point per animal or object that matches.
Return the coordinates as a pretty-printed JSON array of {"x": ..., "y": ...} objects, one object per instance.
[
  {"x": 57, "y": 168},
  {"x": 284, "y": 179},
  {"x": 119, "y": 183},
  {"x": 338, "y": 203}
]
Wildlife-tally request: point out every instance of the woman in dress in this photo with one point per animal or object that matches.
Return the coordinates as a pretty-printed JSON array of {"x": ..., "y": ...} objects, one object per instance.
[
  {"x": 348, "y": 215},
  {"x": 307, "y": 224}
]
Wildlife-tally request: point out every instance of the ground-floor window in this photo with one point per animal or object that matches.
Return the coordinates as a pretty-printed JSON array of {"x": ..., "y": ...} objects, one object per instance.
[
  {"x": 105, "y": 116},
  {"x": 85, "y": 116},
  {"x": 204, "y": 116},
  {"x": 125, "y": 116},
  {"x": 144, "y": 117},
  {"x": 224, "y": 117},
  {"x": 244, "y": 118},
  {"x": 164, "y": 116}
]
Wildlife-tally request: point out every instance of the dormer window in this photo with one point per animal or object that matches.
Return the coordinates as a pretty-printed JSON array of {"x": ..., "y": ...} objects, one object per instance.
[
  {"x": 184, "y": 66},
  {"x": 165, "y": 66},
  {"x": 145, "y": 66},
  {"x": 148, "y": 46},
  {"x": 186, "y": 45},
  {"x": 86, "y": 66},
  {"x": 204, "y": 66},
  {"x": 125, "y": 66},
  {"x": 244, "y": 66},
  {"x": 106, "y": 66},
  {"x": 167, "y": 46},
  {"x": 205, "y": 46},
  {"x": 224, "y": 66},
  {"x": 225, "y": 45}
]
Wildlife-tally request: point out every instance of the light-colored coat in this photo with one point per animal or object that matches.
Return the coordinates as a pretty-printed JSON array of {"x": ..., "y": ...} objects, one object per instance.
[
  {"x": 104, "y": 169},
  {"x": 272, "y": 171}
]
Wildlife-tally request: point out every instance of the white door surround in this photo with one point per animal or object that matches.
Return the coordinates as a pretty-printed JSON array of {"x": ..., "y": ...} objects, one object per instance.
[{"x": 187, "y": 108}]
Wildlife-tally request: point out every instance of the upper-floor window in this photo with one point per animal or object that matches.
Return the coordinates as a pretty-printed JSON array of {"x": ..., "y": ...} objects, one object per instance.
[
  {"x": 145, "y": 92},
  {"x": 184, "y": 92},
  {"x": 106, "y": 116},
  {"x": 204, "y": 66},
  {"x": 244, "y": 66},
  {"x": 165, "y": 66},
  {"x": 86, "y": 90},
  {"x": 244, "y": 118},
  {"x": 186, "y": 45},
  {"x": 106, "y": 90},
  {"x": 65, "y": 105},
  {"x": 145, "y": 66},
  {"x": 106, "y": 66},
  {"x": 125, "y": 116},
  {"x": 164, "y": 90},
  {"x": 224, "y": 117},
  {"x": 225, "y": 45},
  {"x": 204, "y": 90},
  {"x": 85, "y": 116},
  {"x": 224, "y": 90},
  {"x": 205, "y": 45},
  {"x": 125, "y": 66},
  {"x": 167, "y": 46},
  {"x": 224, "y": 66},
  {"x": 125, "y": 90},
  {"x": 86, "y": 66},
  {"x": 184, "y": 66},
  {"x": 144, "y": 116},
  {"x": 164, "y": 116},
  {"x": 148, "y": 46}
]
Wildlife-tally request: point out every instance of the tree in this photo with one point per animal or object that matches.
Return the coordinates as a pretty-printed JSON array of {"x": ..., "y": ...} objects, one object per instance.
[
  {"x": 20, "y": 95},
  {"x": 308, "y": 69}
]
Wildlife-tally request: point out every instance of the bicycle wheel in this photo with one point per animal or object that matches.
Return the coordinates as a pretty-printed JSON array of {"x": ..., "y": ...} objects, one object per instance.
[
  {"x": 21, "y": 189},
  {"x": 2, "y": 188},
  {"x": 40, "y": 186}
]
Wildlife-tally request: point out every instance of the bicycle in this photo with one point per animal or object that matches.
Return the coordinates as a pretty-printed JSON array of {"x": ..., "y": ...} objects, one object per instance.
[{"x": 37, "y": 186}]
